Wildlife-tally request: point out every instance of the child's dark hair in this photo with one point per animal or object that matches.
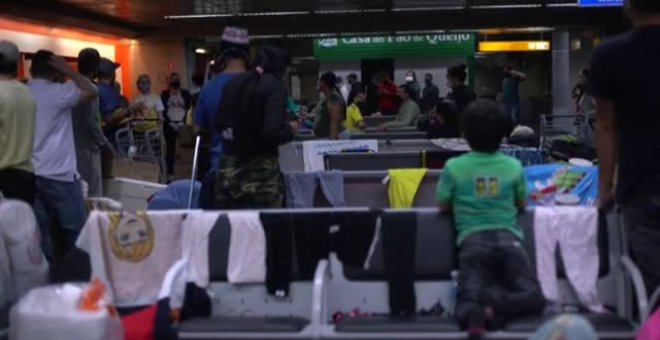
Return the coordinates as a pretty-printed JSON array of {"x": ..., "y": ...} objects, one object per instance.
[
  {"x": 484, "y": 125},
  {"x": 458, "y": 71}
]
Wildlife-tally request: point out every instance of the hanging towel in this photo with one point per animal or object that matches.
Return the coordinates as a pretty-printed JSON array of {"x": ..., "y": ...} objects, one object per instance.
[
  {"x": 22, "y": 263},
  {"x": 404, "y": 184},
  {"x": 301, "y": 188},
  {"x": 132, "y": 253},
  {"x": 196, "y": 230},
  {"x": 575, "y": 229},
  {"x": 247, "y": 248}
]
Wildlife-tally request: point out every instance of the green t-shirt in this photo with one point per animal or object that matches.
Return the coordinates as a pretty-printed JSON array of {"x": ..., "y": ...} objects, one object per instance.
[{"x": 483, "y": 189}]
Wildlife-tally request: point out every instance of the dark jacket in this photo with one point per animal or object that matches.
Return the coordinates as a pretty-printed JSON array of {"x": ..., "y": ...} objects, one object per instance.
[
  {"x": 253, "y": 119},
  {"x": 462, "y": 96},
  {"x": 165, "y": 97}
]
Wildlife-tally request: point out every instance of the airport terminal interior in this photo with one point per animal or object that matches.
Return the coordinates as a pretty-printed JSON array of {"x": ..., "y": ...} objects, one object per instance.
[{"x": 329, "y": 169}]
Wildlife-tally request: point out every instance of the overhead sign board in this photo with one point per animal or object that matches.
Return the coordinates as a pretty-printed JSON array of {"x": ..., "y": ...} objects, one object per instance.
[
  {"x": 514, "y": 46},
  {"x": 600, "y": 3},
  {"x": 397, "y": 46}
]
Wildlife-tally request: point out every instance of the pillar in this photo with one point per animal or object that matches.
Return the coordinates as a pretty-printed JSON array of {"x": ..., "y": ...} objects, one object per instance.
[{"x": 561, "y": 86}]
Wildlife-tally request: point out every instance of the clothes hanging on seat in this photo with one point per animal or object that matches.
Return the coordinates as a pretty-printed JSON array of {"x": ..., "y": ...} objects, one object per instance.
[
  {"x": 247, "y": 248},
  {"x": 303, "y": 239},
  {"x": 278, "y": 228},
  {"x": 132, "y": 253},
  {"x": 404, "y": 184},
  {"x": 399, "y": 231},
  {"x": 575, "y": 230},
  {"x": 301, "y": 188},
  {"x": 196, "y": 231}
]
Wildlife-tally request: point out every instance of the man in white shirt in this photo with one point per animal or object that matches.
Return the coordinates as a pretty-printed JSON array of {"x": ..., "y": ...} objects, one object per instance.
[{"x": 59, "y": 192}]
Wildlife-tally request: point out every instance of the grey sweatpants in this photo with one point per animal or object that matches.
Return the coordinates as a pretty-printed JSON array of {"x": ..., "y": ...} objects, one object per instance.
[{"x": 89, "y": 168}]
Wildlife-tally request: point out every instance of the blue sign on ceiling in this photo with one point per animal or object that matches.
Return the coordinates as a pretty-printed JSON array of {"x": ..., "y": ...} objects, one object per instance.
[{"x": 600, "y": 3}]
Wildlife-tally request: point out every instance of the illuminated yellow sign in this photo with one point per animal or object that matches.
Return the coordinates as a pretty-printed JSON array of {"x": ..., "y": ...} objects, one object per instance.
[{"x": 514, "y": 46}]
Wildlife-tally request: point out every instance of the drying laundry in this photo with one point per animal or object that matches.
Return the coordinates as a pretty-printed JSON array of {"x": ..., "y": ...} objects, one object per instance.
[
  {"x": 247, "y": 248},
  {"x": 126, "y": 246},
  {"x": 404, "y": 184},
  {"x": 575, "y": 230},
  {"x": 196, "y": 231},
  {"x": 301, "y": 188}
]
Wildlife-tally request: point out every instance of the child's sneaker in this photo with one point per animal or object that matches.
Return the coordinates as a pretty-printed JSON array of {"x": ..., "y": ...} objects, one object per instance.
[{"x": 476, "y": 325}]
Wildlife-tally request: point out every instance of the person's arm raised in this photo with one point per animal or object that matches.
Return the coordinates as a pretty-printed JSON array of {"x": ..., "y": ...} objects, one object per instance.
[{"x": 87, "y": 89}]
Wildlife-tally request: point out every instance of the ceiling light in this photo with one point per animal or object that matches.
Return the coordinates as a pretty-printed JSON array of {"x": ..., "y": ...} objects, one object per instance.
[{"x": 201, "y": 51}]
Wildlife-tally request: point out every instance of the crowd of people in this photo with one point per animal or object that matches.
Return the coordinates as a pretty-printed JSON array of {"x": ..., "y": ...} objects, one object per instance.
[{"x": 54, "y": 130}]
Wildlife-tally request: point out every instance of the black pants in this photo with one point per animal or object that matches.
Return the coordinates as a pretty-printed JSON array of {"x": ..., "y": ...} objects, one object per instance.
[
  {"x": 642, "y": 221},
  {"x": 495, "y": 271},
  {"x": 170, "y": 148},
  {"x": 18, "y": 184}
]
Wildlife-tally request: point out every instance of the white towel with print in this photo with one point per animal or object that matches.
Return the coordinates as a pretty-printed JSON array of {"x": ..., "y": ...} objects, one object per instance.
[
  {"x": 22, "y": 263},
  {"x": 575, "y": 230},
  {"x": 132, "y": 253},
  {"x": 247, "y": 248},
  {"x": 196, "y": 231}
]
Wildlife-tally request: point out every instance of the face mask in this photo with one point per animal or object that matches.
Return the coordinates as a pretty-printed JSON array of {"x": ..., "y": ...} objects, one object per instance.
[
  {"x": 144, "y": 87},
  {"x": 410, "y": 79},
  {"x": 175, "y": 84}
]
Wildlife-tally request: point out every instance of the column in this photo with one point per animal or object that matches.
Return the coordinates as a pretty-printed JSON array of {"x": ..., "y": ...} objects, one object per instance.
[{"x": 561, "y": 86}]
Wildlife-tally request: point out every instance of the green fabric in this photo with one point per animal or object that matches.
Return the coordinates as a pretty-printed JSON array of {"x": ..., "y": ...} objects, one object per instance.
[
  {"x": 322, "y": 124},
  {"x": 483, "y": 189}
]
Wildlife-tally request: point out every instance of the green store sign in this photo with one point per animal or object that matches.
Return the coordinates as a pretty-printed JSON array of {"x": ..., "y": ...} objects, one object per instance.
[{"x": 398, "y": 46}]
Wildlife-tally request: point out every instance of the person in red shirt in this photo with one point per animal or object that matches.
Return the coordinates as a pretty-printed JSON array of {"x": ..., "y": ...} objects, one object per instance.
[{"x": 387, "y": 99}]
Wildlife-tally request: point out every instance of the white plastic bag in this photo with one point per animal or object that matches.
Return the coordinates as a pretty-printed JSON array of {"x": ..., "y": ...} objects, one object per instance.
[{"x": 53, "y": 312}]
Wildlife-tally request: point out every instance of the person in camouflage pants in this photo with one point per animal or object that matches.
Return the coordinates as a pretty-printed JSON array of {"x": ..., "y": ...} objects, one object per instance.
[{"x": 252, "y": 183}]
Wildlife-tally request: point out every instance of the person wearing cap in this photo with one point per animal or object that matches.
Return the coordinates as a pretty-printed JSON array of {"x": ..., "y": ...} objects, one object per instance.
[
  {"x": 233, "y": 60},
  {"x": 113, "y": 113},
  {"x": 89, "y": 138},
  {"x": 17, "y": 119},
  {"x": 59, "y": 191}
]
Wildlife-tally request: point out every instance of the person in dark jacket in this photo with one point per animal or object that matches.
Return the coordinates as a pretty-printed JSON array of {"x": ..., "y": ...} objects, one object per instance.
[
  {"x": 177, "y": 102},
  {"x": 253, "y": 123},
  {"x": 460, "y": 93}
]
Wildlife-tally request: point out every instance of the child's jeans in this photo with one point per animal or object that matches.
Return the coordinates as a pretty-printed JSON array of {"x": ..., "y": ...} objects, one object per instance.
[{"x": 496, "y": 259}]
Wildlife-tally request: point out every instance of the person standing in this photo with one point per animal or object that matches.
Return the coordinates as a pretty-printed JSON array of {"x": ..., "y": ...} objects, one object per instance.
[
  {"x": 332, "y": 110},
  {"x": 430, "y": 94},
  {"x": 628, "y": 114},
  {"x": 387, "y": 91},
  {"x": 59, "y": 192},
  {"x": 147, "y": 106},
  {"x": 511, "y": 92},
  {"x": 88, "y": 136},
  {"x": 113, "y": 113},
  {"x": 411, "y": 82},
  {"x": 234, "y": 51},
  {"x": 17, "y": 124},
  {"x": 585, "y": 108},
  {"x": 460, "y": 94},
  {"x": 177, "y": 102},
  {"x": 253, "y": 122}
]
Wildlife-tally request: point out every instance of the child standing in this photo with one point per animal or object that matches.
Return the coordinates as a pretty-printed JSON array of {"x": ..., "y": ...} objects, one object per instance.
[{"x": 485, "y": 190}]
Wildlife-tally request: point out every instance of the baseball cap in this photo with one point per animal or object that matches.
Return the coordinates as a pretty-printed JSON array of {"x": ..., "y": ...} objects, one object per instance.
[{"x": 107, "y": 66}]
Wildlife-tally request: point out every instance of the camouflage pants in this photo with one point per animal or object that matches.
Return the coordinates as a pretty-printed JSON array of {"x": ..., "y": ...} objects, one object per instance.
[{"x": 253, "y": 183}]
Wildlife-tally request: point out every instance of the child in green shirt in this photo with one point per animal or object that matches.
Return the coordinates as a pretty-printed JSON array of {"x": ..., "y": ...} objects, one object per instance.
[{"x": 485, "y": 189}]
